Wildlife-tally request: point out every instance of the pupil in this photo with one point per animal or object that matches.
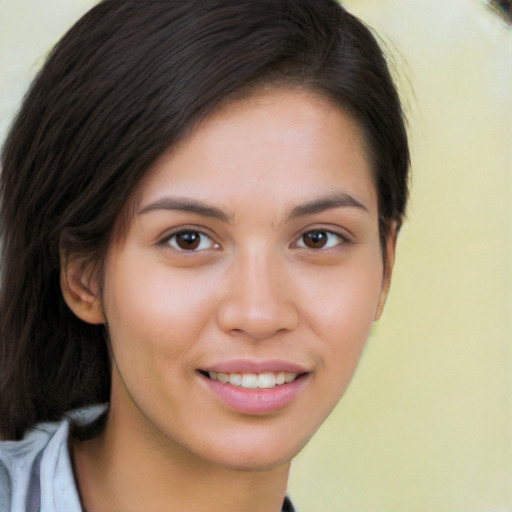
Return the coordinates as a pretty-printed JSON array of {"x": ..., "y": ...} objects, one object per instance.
[
  {"x": 315, "y": 239},
  {"x": 188, "y": 240}
]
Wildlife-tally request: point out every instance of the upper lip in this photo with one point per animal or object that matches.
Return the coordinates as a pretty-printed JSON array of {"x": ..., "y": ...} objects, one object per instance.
[{"x": 251, "y": 366}]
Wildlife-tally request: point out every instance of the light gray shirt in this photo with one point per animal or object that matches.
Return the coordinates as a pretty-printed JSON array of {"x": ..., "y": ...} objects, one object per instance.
[{"x": 36, "y": 474}]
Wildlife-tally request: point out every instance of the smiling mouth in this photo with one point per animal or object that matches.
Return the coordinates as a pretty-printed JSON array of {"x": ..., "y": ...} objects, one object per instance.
[{"x": 265, "y": 380}]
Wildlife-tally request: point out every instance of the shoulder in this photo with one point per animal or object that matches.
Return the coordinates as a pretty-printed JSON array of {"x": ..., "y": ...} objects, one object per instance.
[{"x": 36, "y": 467}]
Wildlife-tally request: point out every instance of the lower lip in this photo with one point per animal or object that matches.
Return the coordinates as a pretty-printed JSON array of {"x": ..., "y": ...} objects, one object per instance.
[{"x": 257, "y": 401}]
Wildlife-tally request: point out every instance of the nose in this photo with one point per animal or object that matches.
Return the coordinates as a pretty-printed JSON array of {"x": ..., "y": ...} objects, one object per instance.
[{"x": 258, "y": 300}]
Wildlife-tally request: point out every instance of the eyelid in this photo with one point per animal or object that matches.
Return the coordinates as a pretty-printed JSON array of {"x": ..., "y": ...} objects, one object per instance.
[{"x": 344, "y": 239}]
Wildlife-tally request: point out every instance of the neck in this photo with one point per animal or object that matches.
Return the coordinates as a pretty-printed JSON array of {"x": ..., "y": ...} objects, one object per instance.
[{"x": 117, "y": 474}]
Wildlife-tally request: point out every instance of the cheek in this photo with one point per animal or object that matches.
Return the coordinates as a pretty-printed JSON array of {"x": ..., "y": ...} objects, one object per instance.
[
  {"x": 152, "y": 311},
  {"x": 342, "y": 308},
  {"x": 345, "y": 297}
]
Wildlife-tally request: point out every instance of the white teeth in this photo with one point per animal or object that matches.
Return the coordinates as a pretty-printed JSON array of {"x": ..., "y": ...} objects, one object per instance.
[
  {"x": 223, "y": 377},
  {"x": 249, "y": 380},
  {"x": 235, "y": 379},
  {"x": 290, "y": 377},
  {"x": 267, "y": 380}
]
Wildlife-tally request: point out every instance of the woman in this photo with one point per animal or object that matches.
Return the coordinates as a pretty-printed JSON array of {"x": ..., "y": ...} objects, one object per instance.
[{"x": 200, "y": 203}]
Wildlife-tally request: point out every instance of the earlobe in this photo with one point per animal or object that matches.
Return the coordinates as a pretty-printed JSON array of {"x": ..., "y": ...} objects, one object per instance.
[
  {"x": 81, "y": 293},
  {"x": 386, "y": 280}
]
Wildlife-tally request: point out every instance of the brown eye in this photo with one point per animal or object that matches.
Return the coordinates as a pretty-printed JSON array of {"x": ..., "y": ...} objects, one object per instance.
[
  {"x": 320, "y": 239},
  {"x": 315, "y": 239},
  {"x": 190, "y": 241}
]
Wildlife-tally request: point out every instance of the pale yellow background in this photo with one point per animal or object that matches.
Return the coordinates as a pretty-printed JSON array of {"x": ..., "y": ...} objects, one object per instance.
[{"x": 426, "y": 424}]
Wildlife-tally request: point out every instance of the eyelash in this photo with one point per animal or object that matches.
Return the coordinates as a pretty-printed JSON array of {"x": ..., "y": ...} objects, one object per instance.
[
  {"x": 168, "y": 241},
  {"x": 299, "y": 243},
  {"x": 341, "y": 240}
]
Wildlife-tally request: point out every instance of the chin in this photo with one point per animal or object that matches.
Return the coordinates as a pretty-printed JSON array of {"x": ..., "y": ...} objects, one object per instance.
[
  {"x": 257, "y": 454},
  {"x": 256, "y": 463}
]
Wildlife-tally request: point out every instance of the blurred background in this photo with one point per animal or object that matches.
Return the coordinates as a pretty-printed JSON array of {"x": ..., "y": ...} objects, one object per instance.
[{"x": 426, "y": 425}]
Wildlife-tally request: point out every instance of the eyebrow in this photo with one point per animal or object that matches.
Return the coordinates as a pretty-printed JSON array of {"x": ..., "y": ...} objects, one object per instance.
[
  {"x": 335, "y": 200},
  {"x": 331, "y": 201},
  {"x": 187, "y": 205}
]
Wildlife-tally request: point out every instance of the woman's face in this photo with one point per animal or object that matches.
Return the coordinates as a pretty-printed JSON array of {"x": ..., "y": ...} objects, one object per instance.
[{"x": 252, "y": 257}]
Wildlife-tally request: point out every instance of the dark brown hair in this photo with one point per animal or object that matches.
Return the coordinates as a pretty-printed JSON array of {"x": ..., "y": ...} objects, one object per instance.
[{"x": 128, "y": 81}]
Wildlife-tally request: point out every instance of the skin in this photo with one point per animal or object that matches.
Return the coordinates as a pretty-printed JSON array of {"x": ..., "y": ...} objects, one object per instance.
[{"x": 275, "y": 167}]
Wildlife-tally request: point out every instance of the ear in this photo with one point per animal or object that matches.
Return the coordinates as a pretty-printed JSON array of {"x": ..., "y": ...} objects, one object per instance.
[
  {"x": 388, "y": 270},
  {"x": 81, "y": 291}
]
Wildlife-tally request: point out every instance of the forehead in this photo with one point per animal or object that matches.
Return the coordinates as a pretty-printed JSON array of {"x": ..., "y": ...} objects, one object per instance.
[{"x": 282, "y": 146}]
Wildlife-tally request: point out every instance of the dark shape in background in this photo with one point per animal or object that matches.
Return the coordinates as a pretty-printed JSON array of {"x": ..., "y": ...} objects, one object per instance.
[{"x": 503, "y": 8}]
